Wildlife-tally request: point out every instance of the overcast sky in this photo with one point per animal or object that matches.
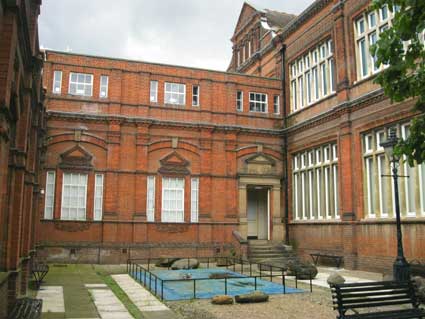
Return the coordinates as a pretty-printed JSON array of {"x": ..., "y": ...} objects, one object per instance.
[{"x": 183, "y": 32}]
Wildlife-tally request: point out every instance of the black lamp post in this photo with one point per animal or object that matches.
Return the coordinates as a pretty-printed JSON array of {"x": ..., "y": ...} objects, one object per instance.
[{"x": 401, "y": 269}]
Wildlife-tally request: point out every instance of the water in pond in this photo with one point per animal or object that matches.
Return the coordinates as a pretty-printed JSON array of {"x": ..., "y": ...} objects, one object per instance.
[{"x": 182, "y": 287}]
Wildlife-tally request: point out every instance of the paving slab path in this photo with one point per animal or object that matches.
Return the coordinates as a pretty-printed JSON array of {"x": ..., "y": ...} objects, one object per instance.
[
  {"x": 108, "y": 305},
  {"x": 52, "y": 297},
  {"x": 147, "y": 303}
]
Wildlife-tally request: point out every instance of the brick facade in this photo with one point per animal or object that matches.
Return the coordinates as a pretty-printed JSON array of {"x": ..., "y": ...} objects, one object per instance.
[
  {"x": 107, "y": 147},
  {"x": 21, "y": 122},
  {"x": 355, "y": 108},
  {"x": 129, "y": 138}
]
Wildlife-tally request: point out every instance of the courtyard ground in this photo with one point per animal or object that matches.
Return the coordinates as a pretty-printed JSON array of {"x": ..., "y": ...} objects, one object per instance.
[{"x": 95, "y": 291}]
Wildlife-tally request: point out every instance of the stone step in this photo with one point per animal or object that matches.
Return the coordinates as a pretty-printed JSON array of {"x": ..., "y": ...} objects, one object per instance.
[
  {"x": 268, "y": 251},
  {"x": 267, "y": 256}
]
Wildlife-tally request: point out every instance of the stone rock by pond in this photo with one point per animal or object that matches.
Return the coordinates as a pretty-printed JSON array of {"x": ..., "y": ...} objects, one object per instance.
[
  {"x": 165, "y": 261},
  {"x": 253, "y": 297},
  {"x": 335, "y": 279},
  {"x": 302, "y": 270},
  {"x": 223, "y": 261},
  {"x": 219, "y": 275},
  {"x": 191, "y": 263},
  {"x": 420, "y": 283},
  {"x": 222, "y": 300}
]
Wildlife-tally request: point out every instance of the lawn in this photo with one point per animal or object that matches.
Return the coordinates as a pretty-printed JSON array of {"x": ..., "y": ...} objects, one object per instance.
[{"x": 78, "y": 302}]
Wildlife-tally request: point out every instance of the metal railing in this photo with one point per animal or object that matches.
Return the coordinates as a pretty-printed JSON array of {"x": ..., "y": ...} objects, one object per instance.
[{"x": 155, "y": 284}]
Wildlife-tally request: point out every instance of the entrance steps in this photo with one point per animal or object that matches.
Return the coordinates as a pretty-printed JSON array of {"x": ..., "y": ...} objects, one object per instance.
[{"x": 268, "y": 251}]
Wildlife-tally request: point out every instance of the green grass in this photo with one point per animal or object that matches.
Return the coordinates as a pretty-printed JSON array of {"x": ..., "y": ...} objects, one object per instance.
[
  {"x": 78, "y": 302},
  {"x": 122, "y": 296}
]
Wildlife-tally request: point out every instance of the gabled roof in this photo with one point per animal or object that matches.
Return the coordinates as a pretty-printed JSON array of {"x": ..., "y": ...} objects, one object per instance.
[
  {"x": 273, "y": 19},
  {"x": 246, "y": 12},
  {"x": 278, "y": 19}
]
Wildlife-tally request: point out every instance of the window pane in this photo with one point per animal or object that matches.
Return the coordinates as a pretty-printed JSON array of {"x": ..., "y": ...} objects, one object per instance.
[{"x": 74, "y": 196}]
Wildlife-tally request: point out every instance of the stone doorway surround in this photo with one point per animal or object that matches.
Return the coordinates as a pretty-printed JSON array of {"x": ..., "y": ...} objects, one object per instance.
[{"x": 276, "y": 217}]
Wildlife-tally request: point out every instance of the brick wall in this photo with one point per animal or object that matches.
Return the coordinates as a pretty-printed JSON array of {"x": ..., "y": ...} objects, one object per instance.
[
  {"x": 128, "y": 138},
  {"x": 21, "y": 120},
  {"x": 343, "y": 118}
]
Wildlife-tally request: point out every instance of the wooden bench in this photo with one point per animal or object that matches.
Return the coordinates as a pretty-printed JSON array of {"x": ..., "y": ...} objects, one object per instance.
[
  {"x": 39, "y": 271},
  {"x": 26, "y": 308},
  {"x": 336, "y": 258},
  {"x": 396, "y": 300}
]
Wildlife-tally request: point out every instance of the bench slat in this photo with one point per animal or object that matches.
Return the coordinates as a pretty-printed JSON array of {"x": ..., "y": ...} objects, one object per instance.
[
  {"x": 377, "y": 304},
  {"x": 401, "y": 314},
  {"x": 375, "y": 283},
  {"x": 26, "y": 308},
  {"x": 405, "y": 299},
  {"x": 372, "y": 294},
  {"x": 362, "y": 289}
]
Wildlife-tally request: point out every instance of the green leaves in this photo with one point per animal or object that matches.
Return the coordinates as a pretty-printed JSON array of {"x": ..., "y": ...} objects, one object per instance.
[{"x": 402, "y": 48}]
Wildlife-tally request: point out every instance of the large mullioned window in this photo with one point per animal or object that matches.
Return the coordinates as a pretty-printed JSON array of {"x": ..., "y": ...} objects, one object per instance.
[
  {"x": 379, "y": 189},
  {"x": 315, "y": 183},
  {"x": 173, "y": 200},
  {"x": 74, "y": 196},
  {"x": 367, "y": 30},
  {"x": 312, "y": 76}
]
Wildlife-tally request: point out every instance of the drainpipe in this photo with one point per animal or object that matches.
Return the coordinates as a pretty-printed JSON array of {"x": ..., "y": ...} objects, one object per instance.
[{"x": 285, "y": 145}]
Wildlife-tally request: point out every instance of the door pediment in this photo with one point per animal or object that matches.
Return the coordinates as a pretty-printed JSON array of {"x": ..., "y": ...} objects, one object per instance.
[{"x": 260, "y": 163}]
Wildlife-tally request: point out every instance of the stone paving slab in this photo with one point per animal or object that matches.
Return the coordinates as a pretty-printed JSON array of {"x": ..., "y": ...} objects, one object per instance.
[
  {"x": 52, "y": 297},
  {"x": 95, "y": 286},
  {"x": 350, "y": 276},
  {"x": 147, "y": 303},
  {"x": 108, "y": 305}
]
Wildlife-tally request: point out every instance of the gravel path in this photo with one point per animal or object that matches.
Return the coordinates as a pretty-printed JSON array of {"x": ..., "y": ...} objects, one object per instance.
[{"x": 317, "y": 305}]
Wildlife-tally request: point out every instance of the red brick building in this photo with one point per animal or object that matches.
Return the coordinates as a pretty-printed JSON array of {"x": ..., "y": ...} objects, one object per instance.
[
  {"x": 255, "y": 41},
  {"x": 146, "y": 159},
  {"x": 336, "y": 118},
  {"x": 21, "y": 129}
]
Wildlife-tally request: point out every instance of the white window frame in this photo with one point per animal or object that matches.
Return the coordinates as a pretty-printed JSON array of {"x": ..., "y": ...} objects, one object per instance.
[
  {"x": 98, "y": 197},
  {"x": 375, "y": 162},
  {"x": 176, "y": 93},
  {"x": 84, "y": 84},
  {"x": 153, "y": 91},
  {"x": 49, "y": 195},
  {"x": 366, "y": 33},
  {"x": 194, "y": 199},
  {"x": 196, "y": 96},
  {"x": 276, "y": 104},
  {"x": 315, "y": 181},
  {"x": 254, "y": 103},
  {"x": 150, "y": 199},
  {"x": 411, "y": 172},
  {"x": 239, "y": 101},
  {"x": 312, "y": 76},
  {"x": 168, "y": 215},
  {"x": 57, "y": 82},
  {"x": 65, "y": 194},
  {"x": 104, "y": 88}
]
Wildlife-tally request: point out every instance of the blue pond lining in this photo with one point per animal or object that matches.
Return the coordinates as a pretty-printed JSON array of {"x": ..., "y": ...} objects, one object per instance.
[{"x": 178, "y": 288}]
